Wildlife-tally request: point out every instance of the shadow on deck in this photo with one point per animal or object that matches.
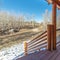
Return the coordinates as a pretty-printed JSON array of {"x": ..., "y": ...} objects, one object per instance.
[{"x": 43, "y": 55}]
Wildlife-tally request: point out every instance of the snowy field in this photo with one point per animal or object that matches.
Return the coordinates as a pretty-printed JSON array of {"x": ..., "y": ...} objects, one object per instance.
[{"x": 12, "y": 52}]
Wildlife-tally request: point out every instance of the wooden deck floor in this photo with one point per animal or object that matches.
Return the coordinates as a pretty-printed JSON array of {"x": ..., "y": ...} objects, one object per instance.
[{"x": 43, "y": 55}]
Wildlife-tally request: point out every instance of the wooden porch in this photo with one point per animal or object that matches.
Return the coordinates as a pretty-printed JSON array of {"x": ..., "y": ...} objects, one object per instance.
[{"x": 43, "y": 55}]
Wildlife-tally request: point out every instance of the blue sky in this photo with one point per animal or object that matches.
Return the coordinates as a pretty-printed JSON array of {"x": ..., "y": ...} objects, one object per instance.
[{"x": 31, "y": 7}]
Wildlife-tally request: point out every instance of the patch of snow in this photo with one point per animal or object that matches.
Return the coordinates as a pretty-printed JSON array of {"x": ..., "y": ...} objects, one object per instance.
[{"x": 10, "y": 53}]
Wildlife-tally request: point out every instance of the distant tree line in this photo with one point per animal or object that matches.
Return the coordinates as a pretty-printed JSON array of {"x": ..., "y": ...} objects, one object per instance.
[
  {"x": 13, "y": 22},
  {"x": 47, "y": 19}
]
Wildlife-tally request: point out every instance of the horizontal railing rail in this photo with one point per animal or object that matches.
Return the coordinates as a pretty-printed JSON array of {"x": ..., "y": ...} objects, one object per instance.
[
  {"x": 37, "y": 44},
  {"x": 38, "y": 48},
  {"x": 38, "y": 37}
]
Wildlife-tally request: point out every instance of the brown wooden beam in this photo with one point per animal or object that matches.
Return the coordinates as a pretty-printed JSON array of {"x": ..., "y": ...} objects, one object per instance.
[
  {"x": 53, "y": 1},
  {"x": 49, "y": 36},
  {"x": 52, "y": 37},
  {"x": 54, "y": 23},
  {"x": 57, "y": 2}
]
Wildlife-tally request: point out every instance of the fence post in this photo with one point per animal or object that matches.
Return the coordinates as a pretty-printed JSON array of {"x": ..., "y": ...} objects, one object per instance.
[
  {"x": 49, "y": 36},
  {"x": 52, "y": 37},
  {"x": 25, "y": 48},
  {"x": 54, "y": 23}
]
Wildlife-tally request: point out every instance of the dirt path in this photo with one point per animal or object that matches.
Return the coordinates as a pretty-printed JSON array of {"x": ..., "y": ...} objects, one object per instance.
[{"x": 16, "y": 38}]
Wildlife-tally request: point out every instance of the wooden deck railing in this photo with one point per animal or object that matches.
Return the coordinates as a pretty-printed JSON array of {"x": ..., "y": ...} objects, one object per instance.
[
  {"x": 39, "y": 42},
  {"x": 44, "y": 40},
  {"x": 36, "y": 44}
]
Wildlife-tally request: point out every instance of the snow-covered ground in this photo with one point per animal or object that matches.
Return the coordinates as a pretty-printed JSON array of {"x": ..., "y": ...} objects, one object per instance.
[{"x": 12, "y": 52}]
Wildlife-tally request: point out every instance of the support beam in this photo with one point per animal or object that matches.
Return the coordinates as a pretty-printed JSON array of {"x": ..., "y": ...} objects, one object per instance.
[
  {"x": 49, "y": 36},
  {"x": 52, "y": 37},
  {"x": 54, "y": 23},
  {"x": 57, "y": 2}
]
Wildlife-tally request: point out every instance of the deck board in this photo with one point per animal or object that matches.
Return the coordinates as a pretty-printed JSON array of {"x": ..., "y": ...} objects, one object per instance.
[{"x": 43, "y": 55}]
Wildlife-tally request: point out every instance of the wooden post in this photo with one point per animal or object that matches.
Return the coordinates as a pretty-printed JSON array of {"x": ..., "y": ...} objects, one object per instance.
[
  {"x": 52, "y": 36},
  {"x": 25, "y": 48},
  {"x": 49, "y": 36},
  {"x": 54, "y": 23}
]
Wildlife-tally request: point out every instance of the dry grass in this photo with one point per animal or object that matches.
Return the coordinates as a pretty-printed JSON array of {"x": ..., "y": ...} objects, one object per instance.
[{"x": 17, "y": 38}]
